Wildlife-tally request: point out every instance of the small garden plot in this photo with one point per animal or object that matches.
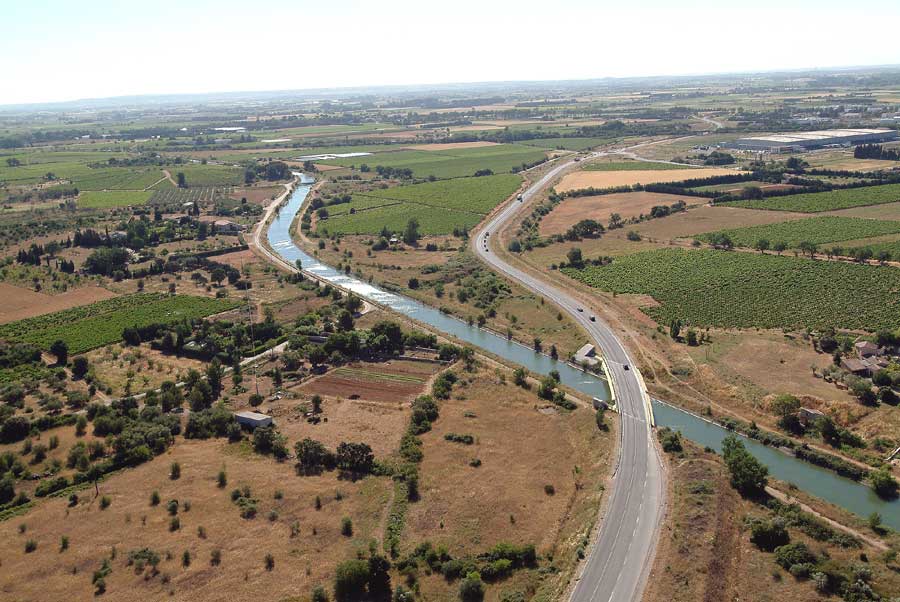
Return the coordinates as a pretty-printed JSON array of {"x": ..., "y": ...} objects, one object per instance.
[
  {"x": 390, "y": 381},
  {"x": 816, "y": 202},
  {"x": 815, "y": 230}
]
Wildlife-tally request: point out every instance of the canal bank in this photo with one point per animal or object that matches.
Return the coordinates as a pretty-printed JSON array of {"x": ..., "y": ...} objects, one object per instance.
[{"x": 848, "y": 494}]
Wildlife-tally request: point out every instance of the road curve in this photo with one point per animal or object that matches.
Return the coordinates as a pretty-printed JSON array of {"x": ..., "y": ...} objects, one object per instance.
[{"x": 620, "y": 559}]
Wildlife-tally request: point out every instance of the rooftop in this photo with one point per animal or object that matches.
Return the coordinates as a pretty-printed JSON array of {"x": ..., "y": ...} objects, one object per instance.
[{"x": 818, "y": 135}]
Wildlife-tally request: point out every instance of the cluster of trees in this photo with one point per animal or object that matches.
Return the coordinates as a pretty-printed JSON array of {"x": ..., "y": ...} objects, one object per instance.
[
  {"x": 359, "y": 579},
  {"x": 586, "y": 228},
  {"x": 401, "y": 173},
  {"x": 313, "y": 457},
  {"x": 876, "y": 151},
  {"x": 271, "y": 170},
  {"x": 108, "y": 261}
]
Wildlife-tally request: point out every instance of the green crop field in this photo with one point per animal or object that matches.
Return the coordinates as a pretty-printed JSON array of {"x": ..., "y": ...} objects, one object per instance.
[
  {"x": 815, "y": 202},
  {"x": 101, "y": 323},
  {"x": 632, "y": 166},
  {"x": 747, "y": 290},
  {"x": 96, "y": 199},
  {"x": 463, "y": 162},
  {"x": 816, "y": 230},
  {"x": 574, "y": 144},
  {"x": 439, "y": 206}
]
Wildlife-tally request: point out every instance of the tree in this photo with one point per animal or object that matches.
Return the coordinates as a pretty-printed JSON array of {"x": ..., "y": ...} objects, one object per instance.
[
  {"x": 748, "y": 475},
  {"x": 779, "y": 247},
  {"x": 345, "y": 320},
  {"x": 60, "y": 349},
  {"x": 7, "y": 488},
  {"x": 574, "y": 257},
  {"x": 312, "y": 456},
  {"x": 471, "y": 589},
  {"x": 762, "y": 245},
  {"x": 350, "y": 580},
  {"x": 675, "y": 328},
  {"x": 784, "y": 405},
  {"x": 355, "y": 457},
  {"x": 884, "y": 483},
  {"x": 808, "y": 248},
  {"x": 181, "y": 179},
  {"x": 215, "y": 374},
  {"x": 379, "y": 577},
  {"x": 411, "y": 233},
  {"x": 80, "y": 367},
  {"x": 217, "y": 275}
]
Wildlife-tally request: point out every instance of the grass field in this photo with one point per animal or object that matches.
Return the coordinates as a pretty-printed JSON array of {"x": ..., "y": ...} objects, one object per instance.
[
  {"x": 815, "y": 202},
  {"x": 439, "y": 206},
  {"x": 91, "y": 326},
  {"x": 501, "y": 158},
  {"x": 96, "y": 199},
  {"x": 817, "y": 230},
  {"x": 633, "y": 166},
  {"x": 745, "y": 290}
]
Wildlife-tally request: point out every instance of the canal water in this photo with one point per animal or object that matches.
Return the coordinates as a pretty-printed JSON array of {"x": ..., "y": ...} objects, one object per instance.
[{"x": 822, "y": 483}]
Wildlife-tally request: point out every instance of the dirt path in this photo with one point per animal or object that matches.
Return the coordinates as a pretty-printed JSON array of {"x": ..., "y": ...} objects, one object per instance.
[
  {"x": 170, "y": 178},
  {"x": 783, "y": 497}
]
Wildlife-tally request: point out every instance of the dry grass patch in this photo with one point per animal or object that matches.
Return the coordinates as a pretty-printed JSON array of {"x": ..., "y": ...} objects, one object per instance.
[
  {"x": 601, "y": 207},
  {"x": 705, "y": 218},
  {"x": 20, "y": 303},
  {"x": 131, "y": 523},
  {"x": 469, "y": 509},
  {"x": 126, "y": 370},
  {"x": 610, "y": 179}
]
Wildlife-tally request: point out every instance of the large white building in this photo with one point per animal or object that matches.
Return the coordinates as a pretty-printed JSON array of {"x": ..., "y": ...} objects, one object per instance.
[{"x": 800, "y": 141}]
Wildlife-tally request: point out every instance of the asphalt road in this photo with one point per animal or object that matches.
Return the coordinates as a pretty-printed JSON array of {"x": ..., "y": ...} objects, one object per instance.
[{"x": 619, "y": 561}]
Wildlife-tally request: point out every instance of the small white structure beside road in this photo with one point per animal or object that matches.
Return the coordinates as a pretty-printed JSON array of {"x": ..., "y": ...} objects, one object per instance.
[{"x": 587, "y": 355}]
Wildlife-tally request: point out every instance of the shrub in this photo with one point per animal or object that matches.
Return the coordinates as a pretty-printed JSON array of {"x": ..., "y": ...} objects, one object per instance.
[
  {"x": 30, "y": 546},
  {"x": 154, "y": 498},
  {"x": 215, "y": 558},
  {"x": 471, "y": 589},
  {"x": 793, "y": 553},
  {"x": 350, "y": 580},
  {"x": 105, "y": 502},
  {"x": 670, "y": 440},
  {"x": 175, "y": 471},
  {"x": 768, "y": 535},
  {"x": 346, "y": 527}
]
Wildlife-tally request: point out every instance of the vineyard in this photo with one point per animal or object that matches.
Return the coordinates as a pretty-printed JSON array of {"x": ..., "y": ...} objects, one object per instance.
[
  {"x": 118, "y": 178},
  {"x": 194, "y": 194},
  {"x": 816, "y": 230},
  {"x": 104, "y": 199},
  {"x": 892, "y": 247},
  {"x": 209, "y": 175},
  {"x": 573, "y": 144},
  {"x": 98, "y": 324},
  {"x": 746, "y": 290},
  {"x": 816, "y": 202},
  {"x": 439, "y": 206}
]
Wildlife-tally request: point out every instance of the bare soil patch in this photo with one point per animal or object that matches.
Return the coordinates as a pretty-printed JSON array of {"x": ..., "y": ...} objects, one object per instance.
[
  {"x": 705, "y": 218},
  {"x": 601, "y": 207},
  {"x": 610, "y": 179},
  {"x": 20, "y": 303},
  {"x": 261, "y": 195}
]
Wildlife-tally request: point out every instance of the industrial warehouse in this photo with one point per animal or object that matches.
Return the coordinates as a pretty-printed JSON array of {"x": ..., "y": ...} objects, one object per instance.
[{"x": 801, "y": 141}]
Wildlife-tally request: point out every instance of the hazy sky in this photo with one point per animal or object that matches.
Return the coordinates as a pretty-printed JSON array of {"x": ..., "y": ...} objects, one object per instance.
[{"x": 66, "y": 49}]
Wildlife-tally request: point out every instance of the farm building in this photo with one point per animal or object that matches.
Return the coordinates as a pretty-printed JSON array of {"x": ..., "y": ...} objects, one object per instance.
[
  {"x": 252, "y": 419},
  {"x": 800, "y": 141},
  {"x": 224, "y": 226}
]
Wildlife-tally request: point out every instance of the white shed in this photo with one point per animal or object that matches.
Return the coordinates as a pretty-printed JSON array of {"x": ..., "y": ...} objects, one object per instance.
[{"x": 252, "y": 419}]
